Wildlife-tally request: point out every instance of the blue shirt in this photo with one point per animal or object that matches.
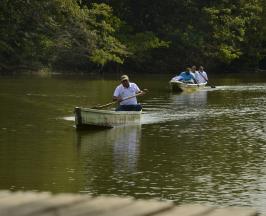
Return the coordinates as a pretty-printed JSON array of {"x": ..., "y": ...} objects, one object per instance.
[{"x": 187, "y": 76}]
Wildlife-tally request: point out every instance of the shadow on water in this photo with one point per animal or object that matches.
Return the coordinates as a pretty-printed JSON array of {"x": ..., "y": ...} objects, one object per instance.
[{"x": 122, "y": 141}]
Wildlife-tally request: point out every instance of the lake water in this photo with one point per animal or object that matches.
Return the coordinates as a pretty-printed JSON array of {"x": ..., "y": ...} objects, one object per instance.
[{"x": 207, "y": 147}]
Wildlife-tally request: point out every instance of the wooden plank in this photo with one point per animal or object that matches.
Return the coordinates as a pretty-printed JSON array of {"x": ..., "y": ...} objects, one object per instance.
[
  {"x": 4, "y": 193},
  {"x": 10, "y": 205},
  {"x": 14, "y": 199},
  {"x": 95, "y": 206},
  {"x": 140, "y": 208},
  {"x": 52, "y": 204},
  {"x": 45, "y": 204},
  {"x": 11, "y": 196},
  {"x": 187, "y": 210},
  {"x": 233, "y": 211}
]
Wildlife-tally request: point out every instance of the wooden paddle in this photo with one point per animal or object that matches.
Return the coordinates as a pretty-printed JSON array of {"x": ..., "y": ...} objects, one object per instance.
[
  {"x": 212, "y": 86},
  {"x": 114, "y": 102}
]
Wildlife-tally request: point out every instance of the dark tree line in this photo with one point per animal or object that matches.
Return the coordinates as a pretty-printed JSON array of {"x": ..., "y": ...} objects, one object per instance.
[{"x": 132, "y": 35}]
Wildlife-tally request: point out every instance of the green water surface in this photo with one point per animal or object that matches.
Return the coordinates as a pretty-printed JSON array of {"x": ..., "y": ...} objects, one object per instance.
[{"x": 206, "y": 147}]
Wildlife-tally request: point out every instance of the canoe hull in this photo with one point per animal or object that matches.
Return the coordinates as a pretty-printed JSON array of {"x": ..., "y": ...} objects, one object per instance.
[
  {"x": 93, "y": 118},
  {"x": 178, "y": 86}
]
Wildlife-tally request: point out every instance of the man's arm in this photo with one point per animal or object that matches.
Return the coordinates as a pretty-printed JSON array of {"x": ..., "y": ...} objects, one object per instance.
[
  {"x": 194, "y": 79},
  {"x": 205, "y": 76},
  {"x": 116, "y": 96},
  {"x": 118, "y": 99},
  {"x": 139, "y": 91}
]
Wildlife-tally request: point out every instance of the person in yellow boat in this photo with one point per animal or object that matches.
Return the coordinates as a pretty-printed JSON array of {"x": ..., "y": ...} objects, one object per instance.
[
  {"x": 186, "y": 76},
  {"x": 194, "y": 70},
  {"x": 123, "y": 91},
  {"x": 201, "y": 75}
]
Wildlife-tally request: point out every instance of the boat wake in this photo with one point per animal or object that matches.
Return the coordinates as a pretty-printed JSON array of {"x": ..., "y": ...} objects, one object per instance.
[
  {"x": 184, "y": 106},
  {"x": 69, "y": 118},
  {"x": 248, "y": 87}
]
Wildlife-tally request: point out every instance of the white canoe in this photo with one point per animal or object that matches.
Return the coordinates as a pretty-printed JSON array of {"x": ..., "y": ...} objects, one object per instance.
[
  {"x": 188, "y": 87},
  {"x": 86, "y": 117}
]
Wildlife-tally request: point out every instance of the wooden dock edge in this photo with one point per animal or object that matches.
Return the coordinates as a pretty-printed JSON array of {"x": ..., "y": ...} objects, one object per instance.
[{"x": 46, "y": 204}]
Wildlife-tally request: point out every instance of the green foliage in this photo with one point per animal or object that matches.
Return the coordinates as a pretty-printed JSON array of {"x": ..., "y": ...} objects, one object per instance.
[
  {"x": 162, "y": 34},
  {"x": 58, "y": 32},
  {"x": 141, "y": 43},
  {"x": 31, "y": 30},
  {"x": 107, "y": 47},
  {"x": 228, "y": 31},
  {"x": 231, "y": 28}
]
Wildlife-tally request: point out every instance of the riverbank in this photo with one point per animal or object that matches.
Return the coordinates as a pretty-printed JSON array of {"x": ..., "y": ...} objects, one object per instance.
[{"x": 49, "y": 72}]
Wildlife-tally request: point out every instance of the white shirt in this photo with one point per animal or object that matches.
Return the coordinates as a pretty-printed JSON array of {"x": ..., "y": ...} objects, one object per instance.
[
  {"x": 201, "y": 77},
  {"x": 124, "y": 92}
]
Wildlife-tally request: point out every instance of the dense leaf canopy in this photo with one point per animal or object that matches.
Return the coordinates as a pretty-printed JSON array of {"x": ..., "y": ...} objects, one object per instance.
[{"x": 140, "y": 35}]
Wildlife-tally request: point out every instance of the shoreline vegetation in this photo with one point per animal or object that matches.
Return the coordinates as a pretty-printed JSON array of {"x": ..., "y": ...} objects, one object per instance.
[
  {"x": 50, "y": 73},
  {"x": 117, "y": 36}
]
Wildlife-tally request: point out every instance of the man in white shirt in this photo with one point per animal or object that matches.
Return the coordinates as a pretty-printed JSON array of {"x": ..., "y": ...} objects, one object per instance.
[
  {"x": 201, "y": 75},
  {"x": 194, "y": 69},
  {"x": 124, "y": 90}
]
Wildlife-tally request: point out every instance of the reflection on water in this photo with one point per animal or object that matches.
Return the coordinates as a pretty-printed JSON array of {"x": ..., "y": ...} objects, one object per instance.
[
  {"x": 185, "y": 99},
  {"x": 123, "y": 140},
  {"x": 126, "y": 149},
  {"x": 109, "y": 155}
]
